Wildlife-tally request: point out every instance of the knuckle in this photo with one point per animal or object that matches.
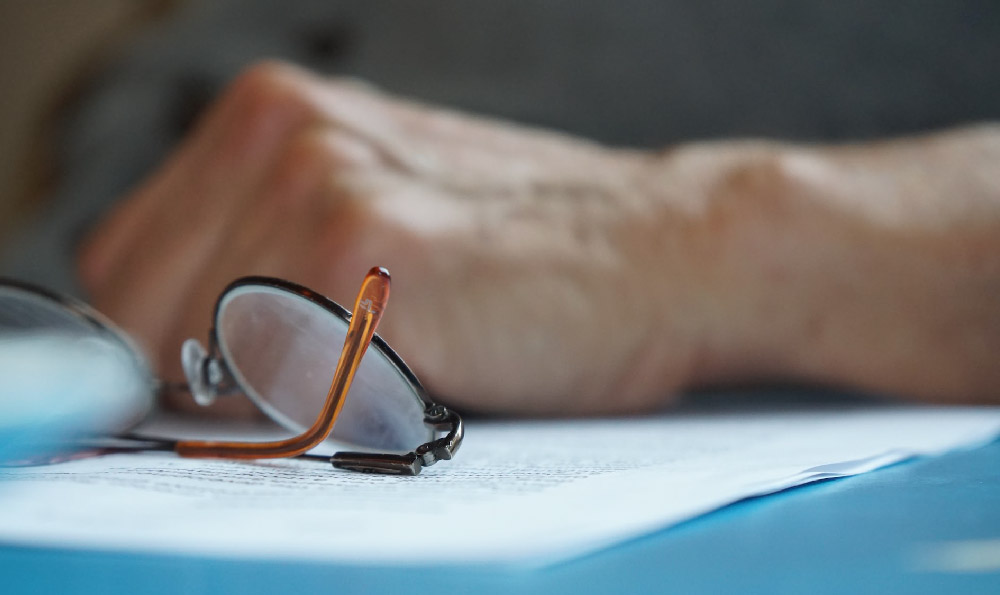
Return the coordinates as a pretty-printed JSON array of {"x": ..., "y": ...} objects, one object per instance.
[
  {"x": 265, "y": 103},
  {"x": 327, "y": 148},
  {"x": 375, "y": 232},
  {"x": 267, "y": 83},
  {"x": 356, "y": 213},
  {"x": 354, "y": 227},
  {"x": 301, "y": 165},
  {"x": 343, "y": 149},
  {"x": 312, "y": 158}
]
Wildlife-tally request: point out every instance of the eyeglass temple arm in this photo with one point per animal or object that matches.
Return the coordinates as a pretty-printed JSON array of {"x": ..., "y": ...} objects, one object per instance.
[
  {"x": 425, "y": 455},
  {"x": 368, "y": 308}
]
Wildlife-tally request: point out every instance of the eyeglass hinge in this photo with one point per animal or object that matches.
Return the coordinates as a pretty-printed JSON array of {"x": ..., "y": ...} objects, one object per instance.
[
  {"x": 444, "y": 448},
  {"x": 425, "y": 455}
]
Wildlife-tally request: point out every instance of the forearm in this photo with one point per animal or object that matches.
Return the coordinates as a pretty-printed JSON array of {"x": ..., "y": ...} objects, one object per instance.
[
  {"x": 872, "y": 266},
  {"x": 540, "y": 273}
]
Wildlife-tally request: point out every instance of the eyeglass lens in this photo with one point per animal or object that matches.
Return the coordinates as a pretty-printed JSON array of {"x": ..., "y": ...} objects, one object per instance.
[
  {"x": 282, "y": 349},
  {"x": 24, "y": 310}
]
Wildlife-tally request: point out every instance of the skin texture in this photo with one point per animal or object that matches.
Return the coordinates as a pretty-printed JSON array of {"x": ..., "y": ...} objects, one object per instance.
[{"x": 538, "y": 273}]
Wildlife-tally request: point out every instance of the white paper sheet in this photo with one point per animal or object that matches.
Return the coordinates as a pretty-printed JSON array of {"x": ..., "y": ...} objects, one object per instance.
[{"x": 524, "y": 492}]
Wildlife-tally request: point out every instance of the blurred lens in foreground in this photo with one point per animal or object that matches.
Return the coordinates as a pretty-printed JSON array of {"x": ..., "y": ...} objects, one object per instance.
[{"x": 59, "y": 387}]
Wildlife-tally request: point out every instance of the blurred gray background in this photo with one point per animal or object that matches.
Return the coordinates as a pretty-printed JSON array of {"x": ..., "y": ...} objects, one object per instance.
[{"x": 95, "y": 92}]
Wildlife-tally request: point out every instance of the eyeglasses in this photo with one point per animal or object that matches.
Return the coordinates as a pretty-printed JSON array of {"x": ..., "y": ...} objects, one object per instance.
[{"x": 274, "y": 342}]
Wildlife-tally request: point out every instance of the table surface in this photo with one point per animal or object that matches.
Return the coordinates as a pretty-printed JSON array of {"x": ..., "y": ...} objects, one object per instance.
[{"x": 930, "y": 525}]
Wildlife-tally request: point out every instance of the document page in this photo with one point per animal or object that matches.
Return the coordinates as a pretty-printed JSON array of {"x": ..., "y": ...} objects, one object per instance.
[{"x": 517, "y": 492}]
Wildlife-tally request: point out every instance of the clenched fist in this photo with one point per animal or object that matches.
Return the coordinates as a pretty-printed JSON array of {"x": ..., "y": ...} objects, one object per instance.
[{"x": 537, "y": 273}]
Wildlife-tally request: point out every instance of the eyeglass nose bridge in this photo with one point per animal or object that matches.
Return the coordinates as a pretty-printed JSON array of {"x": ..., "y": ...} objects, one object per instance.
[{"x": 207, "y": 374}]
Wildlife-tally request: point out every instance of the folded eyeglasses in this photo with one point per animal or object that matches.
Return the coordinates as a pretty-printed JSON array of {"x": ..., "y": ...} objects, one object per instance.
[{"x": 274, "y": 341}]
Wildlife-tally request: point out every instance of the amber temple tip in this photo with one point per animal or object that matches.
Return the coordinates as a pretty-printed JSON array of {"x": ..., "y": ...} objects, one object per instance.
[{"x": 379, "y": 272}]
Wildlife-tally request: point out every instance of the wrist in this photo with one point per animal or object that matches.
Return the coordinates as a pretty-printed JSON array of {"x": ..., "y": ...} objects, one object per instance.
[
  {"x": 748, "y": 252},
  {"x": 706, "y": 238},
  {"x": 904, "y": 283},
  {"x": 836, "y": 265}
]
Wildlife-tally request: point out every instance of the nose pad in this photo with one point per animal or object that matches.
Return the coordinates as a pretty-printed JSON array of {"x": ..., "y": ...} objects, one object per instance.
[{"x": 196, "y": 362}]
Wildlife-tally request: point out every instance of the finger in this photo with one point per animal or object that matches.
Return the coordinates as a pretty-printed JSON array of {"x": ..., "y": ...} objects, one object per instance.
[
  {"x": 237, "y": 137},
  {"x": 159, "y": 258},
  {"x": 281, "y": 233}
]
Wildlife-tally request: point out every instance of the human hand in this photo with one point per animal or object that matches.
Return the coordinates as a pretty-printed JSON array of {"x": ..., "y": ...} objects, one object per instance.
[
  {"x": 537, "y": 273},
  {"x": 522, "y": 278}
]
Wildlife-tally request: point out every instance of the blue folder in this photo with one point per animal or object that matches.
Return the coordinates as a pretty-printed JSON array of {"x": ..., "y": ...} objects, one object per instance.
[{"x": 930, "y": 525}]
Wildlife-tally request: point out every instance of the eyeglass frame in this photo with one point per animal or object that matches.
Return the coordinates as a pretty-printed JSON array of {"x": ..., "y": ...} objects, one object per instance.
[
  {"x": 216, "y": 375},
  {"x": 438, "y": 417}
]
